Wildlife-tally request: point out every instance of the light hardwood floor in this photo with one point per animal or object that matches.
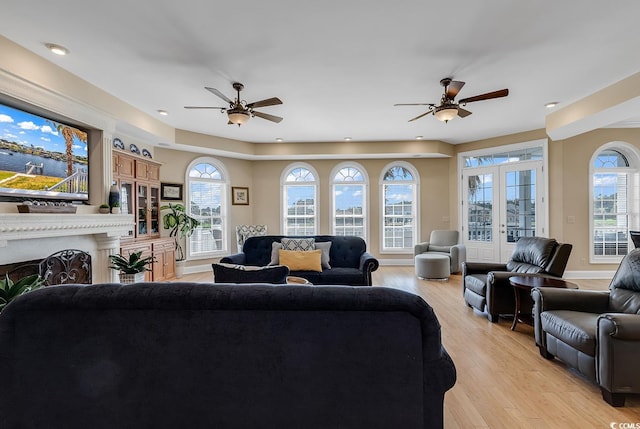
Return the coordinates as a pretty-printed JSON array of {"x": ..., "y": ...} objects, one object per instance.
[{"x": 503, "y": 382}]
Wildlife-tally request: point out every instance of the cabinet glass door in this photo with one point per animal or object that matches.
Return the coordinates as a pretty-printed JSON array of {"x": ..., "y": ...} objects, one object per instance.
[
  {"x": 126, "y": 200},
  {"x": 154, "y": 221},
  {"x": 143, "y": 210}
]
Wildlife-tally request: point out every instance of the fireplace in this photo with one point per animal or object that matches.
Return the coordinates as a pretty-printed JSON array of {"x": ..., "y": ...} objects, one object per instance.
[{"x": 28, "y": 237}]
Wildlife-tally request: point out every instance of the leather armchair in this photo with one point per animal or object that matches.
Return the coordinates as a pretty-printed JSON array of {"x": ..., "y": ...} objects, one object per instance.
[
  {"x": 595, "y": 332},
  {"x": 486, "y": 285},
  {"x": 444, "y": 242}
]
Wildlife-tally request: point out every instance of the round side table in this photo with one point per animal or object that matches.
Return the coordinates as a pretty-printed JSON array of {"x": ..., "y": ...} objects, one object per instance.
[{"x": 524, "y": 284}]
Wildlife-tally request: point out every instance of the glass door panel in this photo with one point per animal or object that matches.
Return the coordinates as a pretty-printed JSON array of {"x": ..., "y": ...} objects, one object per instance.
[
  {"x": 126, "y": 201},
  {"x": 143, "y": 210},
  {"x": 154, "y": 220},
  {"x": 479, "y": 214}
]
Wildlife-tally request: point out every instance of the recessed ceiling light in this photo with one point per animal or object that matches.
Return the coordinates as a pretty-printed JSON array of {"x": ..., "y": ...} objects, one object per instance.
[
  {"x": 347, "y": 139},
  {"x": 57, "y": 49},
  {"x": 163, "y": 112},
  {"x": 419, "y": 137},
  {"x": 551, "y": 104},
  {"x": 279, "y": 139}
]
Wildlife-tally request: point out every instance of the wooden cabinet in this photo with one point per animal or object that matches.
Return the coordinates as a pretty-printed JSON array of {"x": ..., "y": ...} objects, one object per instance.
[
  {"x": 123, "y": 165},
  {"x": 139, "y": 182},
  {"x": 147, "y": 170},
  {"x": 133, "y": 247},
  {"x": 164, "y": 252}
]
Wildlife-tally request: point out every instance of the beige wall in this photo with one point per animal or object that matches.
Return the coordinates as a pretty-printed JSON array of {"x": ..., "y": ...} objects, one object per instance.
[
  {"x": 568, "y": 185},
  {"x": 434, "y": 195}
]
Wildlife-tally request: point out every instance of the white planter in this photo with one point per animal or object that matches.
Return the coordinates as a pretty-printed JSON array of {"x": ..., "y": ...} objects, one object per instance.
[
  {"x": 179, "y": 269},
  {"x": 131, "y": 278}
]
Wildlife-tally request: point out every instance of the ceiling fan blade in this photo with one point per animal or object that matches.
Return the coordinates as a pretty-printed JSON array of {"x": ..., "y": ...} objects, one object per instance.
[
  {"x": 219, "y": 94},
  {"x": 454, "y": 88},
  {"x": 487, "y": 96},
  {"x": 414, "y": 104},
  {"x": 262, "y": 103},
  {"x": 205, "y": 107},
  {"x": 420, "y": 116},
  {"x": 463, "y": 113},
  {"x": 268, "y": 117}
]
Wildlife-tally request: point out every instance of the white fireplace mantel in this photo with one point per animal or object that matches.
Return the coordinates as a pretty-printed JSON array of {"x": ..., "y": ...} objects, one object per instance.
[
  {"x": 25, "y": 226},
  {"x": 54, "y": 232}
]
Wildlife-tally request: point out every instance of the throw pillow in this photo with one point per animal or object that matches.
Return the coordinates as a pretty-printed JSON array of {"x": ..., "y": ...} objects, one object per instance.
[
  {"x": 301, "y": 244},
  {"x": 301, "y": 261},
  {"x": 231, "y": 273},
  {"x": 275, "y": 247},
  {"x": 325, "y": 246}
]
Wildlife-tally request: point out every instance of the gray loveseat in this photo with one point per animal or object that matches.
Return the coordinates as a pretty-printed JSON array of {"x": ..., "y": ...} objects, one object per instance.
[
  {"x": 188, "y": 355},
  {"x": 350, "y": 262}
]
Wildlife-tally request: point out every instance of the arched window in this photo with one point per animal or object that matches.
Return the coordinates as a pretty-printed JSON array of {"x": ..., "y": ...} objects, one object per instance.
[
  {"x": 349, "y": 200},
  {"x": 299, "y": 185},
  {"x": 400, "y": 207},
  {"x": 614, "y": 201},
  {"x": 207, "y": 201}
]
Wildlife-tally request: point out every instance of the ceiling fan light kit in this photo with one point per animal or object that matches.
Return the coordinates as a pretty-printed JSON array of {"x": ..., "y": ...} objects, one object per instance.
[
  {"x": 238, "y": 117},
  {"x": 239, "y": 111},
  {"x": 446, "y": 113},
  {"x": 448, "y": 108}
]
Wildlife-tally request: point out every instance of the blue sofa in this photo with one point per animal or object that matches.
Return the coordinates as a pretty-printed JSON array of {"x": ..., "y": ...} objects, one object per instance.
[
  {"x": 350, "y": 262},
  {"x": 203, "y": 355}
]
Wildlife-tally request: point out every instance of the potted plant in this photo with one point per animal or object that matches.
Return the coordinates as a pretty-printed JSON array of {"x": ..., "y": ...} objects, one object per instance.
[
  {"x": 115, "y": 209},
  {"x": 132, "y": 268},
  {"x": 104, "y": 208},
  {"x": 9, "y": 290},
  {"x": 180, "y": 226}
]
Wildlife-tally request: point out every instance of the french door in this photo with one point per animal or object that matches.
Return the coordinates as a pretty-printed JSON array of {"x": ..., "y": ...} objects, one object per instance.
[{"x": 500, "y": 205}]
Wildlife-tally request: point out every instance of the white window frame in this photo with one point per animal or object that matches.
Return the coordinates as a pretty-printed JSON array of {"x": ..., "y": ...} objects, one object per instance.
[
  {"x": 633, "y": 195},
  {"x": 224, "y": 209},
  {"x": 365, "y": 195},
  {"x": 284, "y": 185},
  {"x": 416, "y": 198}
]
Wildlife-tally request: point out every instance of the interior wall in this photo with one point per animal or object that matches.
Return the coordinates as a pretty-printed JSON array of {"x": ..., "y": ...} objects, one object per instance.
[
  {"x": 173, "y": 169},
  {"x": 573, "y": 179},
  {"x": 568, "y": 185},
  {"x": 434, "y": 195}
]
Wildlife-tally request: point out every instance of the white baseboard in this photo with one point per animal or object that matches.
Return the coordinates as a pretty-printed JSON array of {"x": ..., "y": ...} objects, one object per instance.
[
  {"x": 395, "y": 262},
  {"x": 194, "y": 269},
  {"x": 588, "y": 274}
]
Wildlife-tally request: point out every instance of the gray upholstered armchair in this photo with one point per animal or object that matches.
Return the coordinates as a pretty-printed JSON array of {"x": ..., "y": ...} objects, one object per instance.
[
  {"x": 487, "y": 284},
  {"x": 245, "y": 231},
  {"x": 596, "y": 332},
  {"x": 444, "y": 242}
]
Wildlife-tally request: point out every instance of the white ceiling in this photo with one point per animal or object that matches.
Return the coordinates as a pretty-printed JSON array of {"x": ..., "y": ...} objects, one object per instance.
[{"x": 339, "y": 66}]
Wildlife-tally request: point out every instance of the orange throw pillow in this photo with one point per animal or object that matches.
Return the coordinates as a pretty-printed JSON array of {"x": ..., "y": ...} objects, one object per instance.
[{"x": 309, "y": 260}]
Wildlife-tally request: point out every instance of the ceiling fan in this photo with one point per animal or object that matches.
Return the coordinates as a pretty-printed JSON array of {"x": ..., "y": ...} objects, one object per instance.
[
  {"x": 448, "y": 108},
  {"x": 239, "y": 111}
]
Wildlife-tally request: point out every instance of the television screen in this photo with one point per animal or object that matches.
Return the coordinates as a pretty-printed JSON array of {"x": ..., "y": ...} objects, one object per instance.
[{"x": 41, "y": 158}]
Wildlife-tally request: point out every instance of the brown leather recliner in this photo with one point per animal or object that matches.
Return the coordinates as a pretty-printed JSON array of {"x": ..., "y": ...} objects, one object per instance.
[
  {"x": 486, "y": 285},
  {"x": 596, "y": 332}
]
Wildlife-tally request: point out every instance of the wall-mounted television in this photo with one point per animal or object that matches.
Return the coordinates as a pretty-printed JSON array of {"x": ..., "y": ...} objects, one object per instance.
[{"x": 41, "y": 158}]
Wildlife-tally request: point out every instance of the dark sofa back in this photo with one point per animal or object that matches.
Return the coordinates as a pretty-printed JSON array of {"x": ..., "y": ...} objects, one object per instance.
[
  {"x": 169, "y": 355},
  {"x": 345, "y": 250}
]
